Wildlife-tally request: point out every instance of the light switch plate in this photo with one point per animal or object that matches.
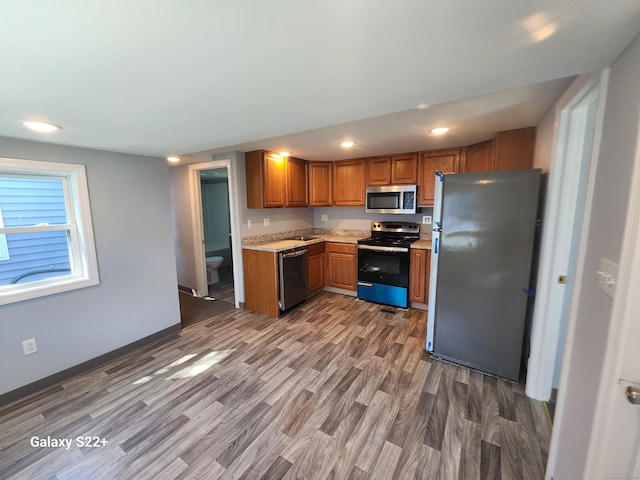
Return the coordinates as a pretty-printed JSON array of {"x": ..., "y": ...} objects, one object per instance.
[
  {"x": 267, "y": 222},
  {"x": 324, "y": 217},
  {"x": 608, "y": 277}
]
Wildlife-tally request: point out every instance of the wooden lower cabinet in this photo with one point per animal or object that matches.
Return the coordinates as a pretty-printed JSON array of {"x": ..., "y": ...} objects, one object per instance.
[
  {"x": 261, "y": 281},
  {"x": 342, "y": 265},
  {"x": 316, "y": 266},
  {"x": 419, "y": 268}
]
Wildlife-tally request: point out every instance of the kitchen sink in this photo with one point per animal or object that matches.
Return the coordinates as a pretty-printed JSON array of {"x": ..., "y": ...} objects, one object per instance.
[{"x": 301, "y": 238}]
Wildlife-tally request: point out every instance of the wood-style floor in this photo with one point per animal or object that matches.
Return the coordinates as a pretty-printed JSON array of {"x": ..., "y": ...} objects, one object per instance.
[{"x": 335, "y": 389}]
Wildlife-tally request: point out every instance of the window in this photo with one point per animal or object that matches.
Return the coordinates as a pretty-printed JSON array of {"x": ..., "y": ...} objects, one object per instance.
[
  {"x": 4, "y": 249},
  {"x": 46, "y": 235}
]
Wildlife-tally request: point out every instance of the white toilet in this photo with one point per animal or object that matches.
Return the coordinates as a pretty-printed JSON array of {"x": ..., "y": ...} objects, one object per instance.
[{"x": 213, "y": 263}]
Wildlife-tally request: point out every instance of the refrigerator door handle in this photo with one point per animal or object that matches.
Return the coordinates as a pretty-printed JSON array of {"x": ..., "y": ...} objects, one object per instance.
[{"x": 435, "y": 250}]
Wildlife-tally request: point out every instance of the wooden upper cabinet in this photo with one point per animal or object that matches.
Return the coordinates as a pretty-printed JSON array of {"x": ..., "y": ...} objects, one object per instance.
[
  {"x": 479, "y": 158},
  {"x": 296, "y": 182},
  {"x": 393, "y": 170},
  {"x": 445, "y": 161},
  {"x": 265, "y": 173},
  {"x": 514, "y": 149},
  {"x": 404, "y": 169},
  {"x": 379, "y": 171},
  {"x": 349, "y": 182},
  {"x": 320, "y": 184}
]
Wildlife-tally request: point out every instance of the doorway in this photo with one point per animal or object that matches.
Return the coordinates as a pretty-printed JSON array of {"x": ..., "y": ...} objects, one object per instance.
[
  {"x": 579, "y": 115},
  {"x": 216, "y": 223},
  {"x": 216, "y": 230}
]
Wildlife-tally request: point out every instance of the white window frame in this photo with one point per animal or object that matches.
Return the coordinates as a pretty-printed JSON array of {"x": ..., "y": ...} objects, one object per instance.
[{"x": 79, "y": 228}]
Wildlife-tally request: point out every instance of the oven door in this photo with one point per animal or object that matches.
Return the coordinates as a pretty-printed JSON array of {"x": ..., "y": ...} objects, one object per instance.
[{"x": 383, "y": 265}]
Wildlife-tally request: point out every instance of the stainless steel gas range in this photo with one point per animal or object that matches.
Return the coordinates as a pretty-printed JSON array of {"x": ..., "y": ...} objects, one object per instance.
[{"x": 383, "y": 263}]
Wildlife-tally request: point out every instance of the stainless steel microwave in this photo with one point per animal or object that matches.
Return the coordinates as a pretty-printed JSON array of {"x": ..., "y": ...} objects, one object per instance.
[{"x": 392, "y": 199}]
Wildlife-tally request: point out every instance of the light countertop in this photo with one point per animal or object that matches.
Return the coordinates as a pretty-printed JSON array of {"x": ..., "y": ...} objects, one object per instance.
[
  {"x": 422, "y": 244},
  {"x": 281, "y": 245}
]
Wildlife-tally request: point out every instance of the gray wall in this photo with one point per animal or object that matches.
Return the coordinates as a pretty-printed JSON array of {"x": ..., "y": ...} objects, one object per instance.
[
  {"x": 137, "y": 294},
  {"x": 617, "y": 152},
  {"x": 545, "y": 136},
  {"x": 215, "y": 215}
]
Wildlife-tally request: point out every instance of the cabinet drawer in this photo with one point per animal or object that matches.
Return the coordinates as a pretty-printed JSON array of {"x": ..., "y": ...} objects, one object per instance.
[
  {"x": 341, "y": 248},
  {"x": 315, "y": 248}
]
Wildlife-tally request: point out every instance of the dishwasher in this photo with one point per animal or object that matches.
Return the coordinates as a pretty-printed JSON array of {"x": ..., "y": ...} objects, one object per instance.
[{"x": 293, "y": 266}]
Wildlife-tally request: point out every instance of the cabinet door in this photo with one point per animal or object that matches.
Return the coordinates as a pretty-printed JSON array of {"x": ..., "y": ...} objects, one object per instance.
[
  {"x": 515, "y": 149},
  {"x": 445, "y": 161},
  {"x": 479, "y": 158},
  {"x": 419, "y": 269},
  {"x": 417, "y": 275},
  {"x": 316, "y": 272},
  {"x": 379, "y": 171},
  {"x": 427, "y": 275},
  {"x": 342, "y": 265},
  {"x": 296, "y": 170},
  {"x": 316, "y": 266},
  {"x": 274, "y": 180},
  {"x": 320, "y": 185},
  {"x": 404, "y": 169},
  {"x": 349, "y": 177},
  {"x": 265, "y": 179},
  {"x": 261, "y": 281}
]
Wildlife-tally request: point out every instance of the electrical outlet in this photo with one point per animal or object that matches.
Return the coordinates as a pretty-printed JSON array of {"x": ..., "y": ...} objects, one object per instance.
[
  {"x": 267, "y": 222},
  {"x": 324, "y": 217},
  {"x": 608, "y": 277},
  {"x": 426, "y": 219},
  {"x": 249, "y": 223},
  {"x": 30, "y": 346}
]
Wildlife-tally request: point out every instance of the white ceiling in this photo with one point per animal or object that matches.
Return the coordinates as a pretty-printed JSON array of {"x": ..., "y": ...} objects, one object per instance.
[{"x": 159, "y": 77}]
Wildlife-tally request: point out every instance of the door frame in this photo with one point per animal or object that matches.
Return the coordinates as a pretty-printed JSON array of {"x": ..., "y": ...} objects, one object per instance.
[
  {"x": 626, "y": 309},
  {"x": 558, "y": 235},
  {"x": 198, "y": 226}
]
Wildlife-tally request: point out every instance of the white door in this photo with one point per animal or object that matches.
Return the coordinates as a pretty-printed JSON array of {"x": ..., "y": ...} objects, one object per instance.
[
  {"x": 615, "y": 443},
  {"x": 621, "y": 449}
]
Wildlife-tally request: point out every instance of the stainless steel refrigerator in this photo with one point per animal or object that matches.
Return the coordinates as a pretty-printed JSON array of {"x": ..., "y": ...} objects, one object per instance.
[{"x": 482, "y": 247}]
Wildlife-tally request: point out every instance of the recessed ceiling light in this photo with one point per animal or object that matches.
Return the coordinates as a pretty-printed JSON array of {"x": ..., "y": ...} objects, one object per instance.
[
  {"x": 285, "y": 154},
  {"x": 173, "y": 159},
  {"x": 347, "y": 144},
  {"x": 439, "y": 130},
  {"x": 41, "y": 126}
]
